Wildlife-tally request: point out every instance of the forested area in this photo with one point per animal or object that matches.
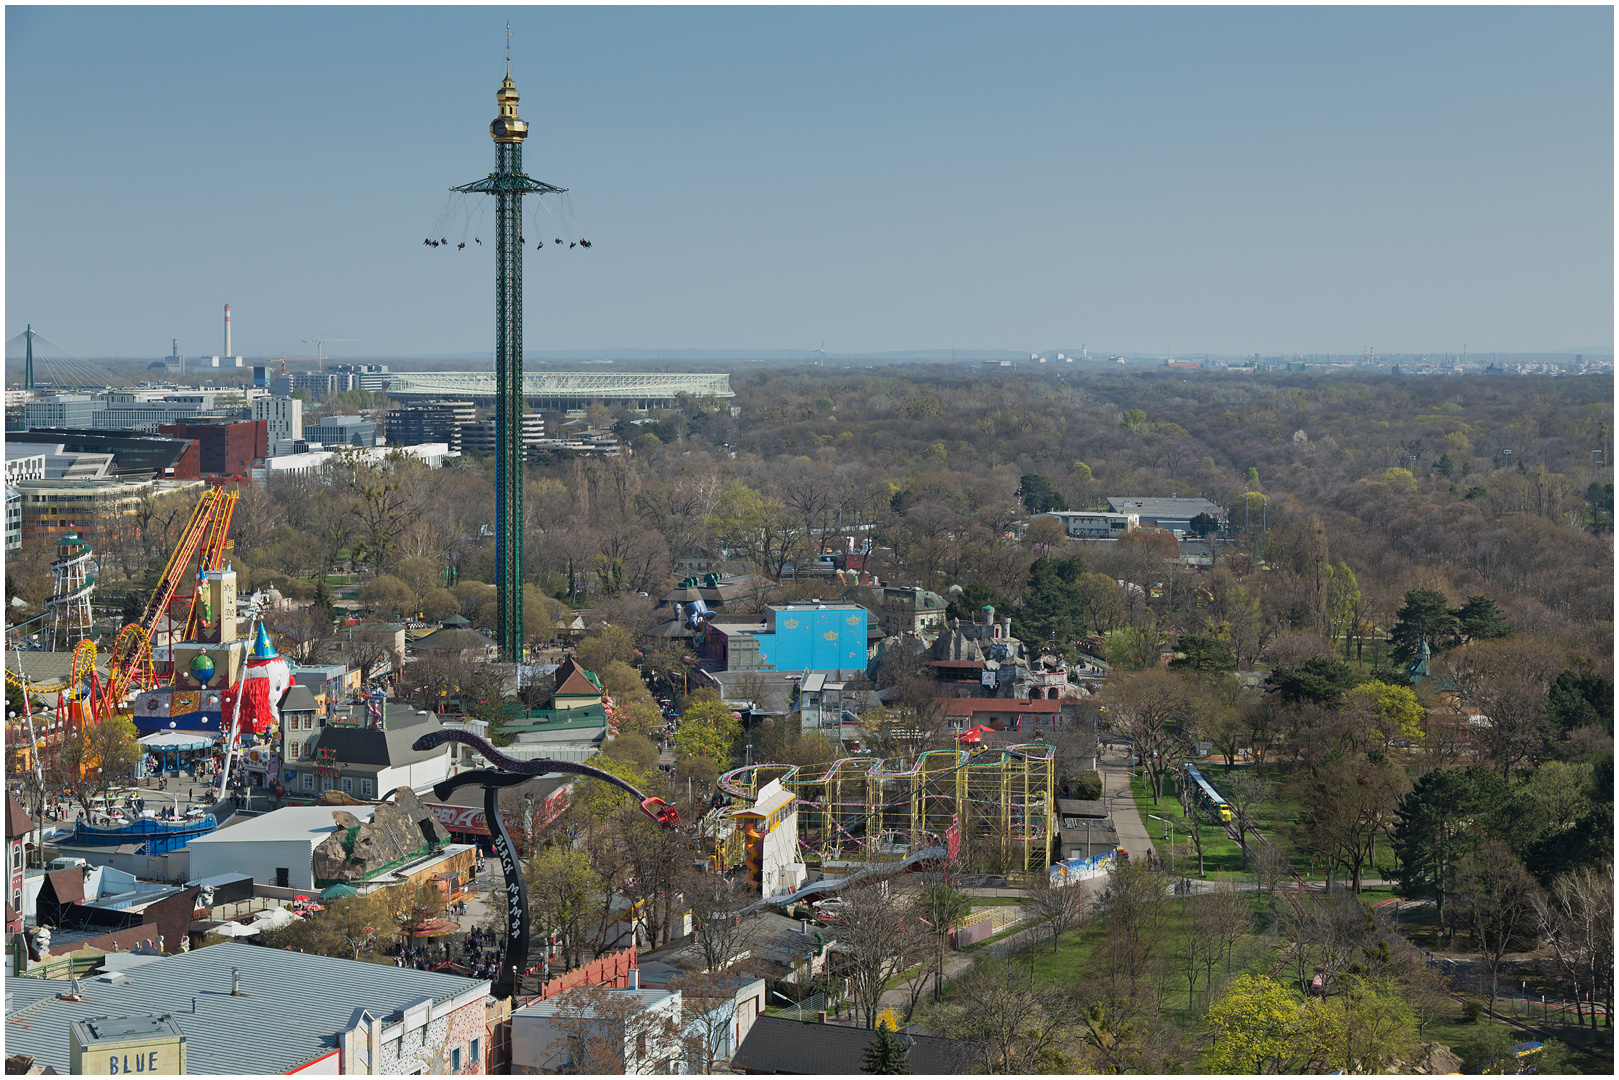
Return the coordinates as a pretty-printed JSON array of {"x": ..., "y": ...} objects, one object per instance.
[{"x": 1479, "y": 485}]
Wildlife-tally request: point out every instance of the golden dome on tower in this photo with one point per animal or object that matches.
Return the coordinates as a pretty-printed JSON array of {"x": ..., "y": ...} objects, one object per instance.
[{"x": 507, "y": 127}]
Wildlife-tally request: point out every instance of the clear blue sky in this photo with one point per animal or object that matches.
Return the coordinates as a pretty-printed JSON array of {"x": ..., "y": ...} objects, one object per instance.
[{"x": 1145, "y": 179}]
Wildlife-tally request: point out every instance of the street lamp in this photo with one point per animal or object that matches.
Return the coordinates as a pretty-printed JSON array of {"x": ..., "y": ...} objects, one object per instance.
[{"x": 1170, "y": 836}]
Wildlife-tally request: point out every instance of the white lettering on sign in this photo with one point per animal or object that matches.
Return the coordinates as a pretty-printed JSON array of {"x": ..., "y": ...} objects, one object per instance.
[{"x": 470, "y": 818}]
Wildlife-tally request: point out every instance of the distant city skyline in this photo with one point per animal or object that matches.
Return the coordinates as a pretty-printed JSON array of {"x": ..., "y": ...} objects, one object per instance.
[{"x": 1157, "y": 181}]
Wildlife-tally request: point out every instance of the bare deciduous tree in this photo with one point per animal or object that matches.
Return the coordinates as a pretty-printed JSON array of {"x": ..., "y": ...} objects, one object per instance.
[
  {"x": 1575, "y": 919},
  {"x": 1494, "y": 901},
  {"x": 1061, "y": 906},
  {"x": 877, "y": 939}
]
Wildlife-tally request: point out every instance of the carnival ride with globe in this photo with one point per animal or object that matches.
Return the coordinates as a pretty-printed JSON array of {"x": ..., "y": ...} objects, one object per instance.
[{"x": 83, "y": 695}]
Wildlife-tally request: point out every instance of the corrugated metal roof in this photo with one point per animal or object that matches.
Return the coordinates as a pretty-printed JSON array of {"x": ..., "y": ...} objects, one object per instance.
[
  {"x": 311, "y": 823},
  {"x": 292, "y": 1007}
]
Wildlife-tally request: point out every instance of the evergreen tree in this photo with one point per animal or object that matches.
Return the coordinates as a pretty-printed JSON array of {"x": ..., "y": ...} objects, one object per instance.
[
  {"x": 1051, "y": 608},
  {"x": 1479, "y": 619},
  {"x": 1039, "y": 496},
  {"x": 1437, "y": 824},
  {"x": 1319, "y": 679},
  {"x": 1423, "y": 618},
  {"x": 323, "y": 598},
  {"x": 886, "y": 1055},
  {"x": 1581, "y": 699},
  {"x": 1204, "y": 652}
]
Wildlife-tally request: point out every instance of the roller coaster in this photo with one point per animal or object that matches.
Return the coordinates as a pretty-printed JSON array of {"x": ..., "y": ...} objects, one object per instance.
[{"x": 877, "y": 809}]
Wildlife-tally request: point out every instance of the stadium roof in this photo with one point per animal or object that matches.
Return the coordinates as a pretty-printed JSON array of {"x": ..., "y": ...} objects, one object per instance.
[{"x": 581, "y": 385}]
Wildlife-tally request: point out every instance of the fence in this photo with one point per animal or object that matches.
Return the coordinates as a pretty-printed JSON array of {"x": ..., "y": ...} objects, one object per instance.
[
  {"x": 979, "y": 925},
  {"x": 612, "y": 970},
  {"x": 75, "y": 965},
  {"x": 1073, "y": 871},
  {"x": 810, "y": 1008}
]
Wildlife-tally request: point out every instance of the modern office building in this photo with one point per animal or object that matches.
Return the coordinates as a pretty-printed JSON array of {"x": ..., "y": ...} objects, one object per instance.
[
  {"x": 371, "y": 377},
  {"x": 348, "y": 430},
  {"x": 23, "y": 462},
  {"x": 62, "y": 411},
  {"x": 132, "y": 455},
  {"x": 91, "y": 508},
  {"x": 429, "y": 422},
  {"x": 479, "y": 436},
  {"x": 13, "y": 518}
]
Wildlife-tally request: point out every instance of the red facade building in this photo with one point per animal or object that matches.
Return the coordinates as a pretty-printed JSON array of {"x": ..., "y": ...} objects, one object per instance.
[{"x": 226, "y": 447}]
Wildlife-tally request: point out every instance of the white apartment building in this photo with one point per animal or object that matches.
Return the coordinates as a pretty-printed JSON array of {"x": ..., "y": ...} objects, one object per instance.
[{"x": 284, "y": 414}]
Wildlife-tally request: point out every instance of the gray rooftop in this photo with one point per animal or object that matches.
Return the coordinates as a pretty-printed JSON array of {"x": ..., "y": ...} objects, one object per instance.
[
  {"x": 776, "y": 1044},
  {"x": 382, "y": 747},
  {"x": 1156, "y": 507},
  {"x": 292, "y": 1008}
]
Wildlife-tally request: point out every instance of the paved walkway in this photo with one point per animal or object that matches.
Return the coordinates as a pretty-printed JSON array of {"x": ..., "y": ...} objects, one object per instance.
[{"x": 1114, "y": 765}]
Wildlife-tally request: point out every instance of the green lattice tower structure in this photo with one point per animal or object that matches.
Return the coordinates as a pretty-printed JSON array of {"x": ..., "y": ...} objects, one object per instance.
[{"x": 508, "y": 185}]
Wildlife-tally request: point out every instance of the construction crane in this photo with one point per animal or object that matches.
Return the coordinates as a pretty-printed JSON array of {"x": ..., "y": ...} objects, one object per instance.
[{"x": 318, "y": 341}]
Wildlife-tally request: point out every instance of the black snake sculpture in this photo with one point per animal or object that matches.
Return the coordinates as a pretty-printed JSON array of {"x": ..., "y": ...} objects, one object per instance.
[{"x": 652, "y": 806}]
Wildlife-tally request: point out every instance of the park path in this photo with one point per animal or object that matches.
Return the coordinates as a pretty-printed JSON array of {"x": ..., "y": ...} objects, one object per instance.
[{"x": 1114, "y": 765}]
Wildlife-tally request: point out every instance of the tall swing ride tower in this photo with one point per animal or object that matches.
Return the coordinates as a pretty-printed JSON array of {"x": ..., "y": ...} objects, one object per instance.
[{"x": 508, "y": 184}]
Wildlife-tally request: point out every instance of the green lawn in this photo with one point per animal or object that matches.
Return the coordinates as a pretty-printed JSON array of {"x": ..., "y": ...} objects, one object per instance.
[
  {"x": 1253, "y": 953},
  {"x": 1222, "y": 858}
]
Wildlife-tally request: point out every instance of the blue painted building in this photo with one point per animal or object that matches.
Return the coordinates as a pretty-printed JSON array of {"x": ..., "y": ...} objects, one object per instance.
[{"x": 820, "y": 637}]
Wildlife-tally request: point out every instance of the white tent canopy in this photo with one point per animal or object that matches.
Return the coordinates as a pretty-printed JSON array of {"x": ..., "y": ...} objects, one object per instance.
[
  {"x": 175, "y": 740},
  {"x": 275, "y": 919},
  {"x": 233, "y": 929}
]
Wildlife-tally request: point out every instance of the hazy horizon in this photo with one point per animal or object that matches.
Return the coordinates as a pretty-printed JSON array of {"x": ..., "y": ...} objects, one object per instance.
[{"x": 1148, "y": 181}]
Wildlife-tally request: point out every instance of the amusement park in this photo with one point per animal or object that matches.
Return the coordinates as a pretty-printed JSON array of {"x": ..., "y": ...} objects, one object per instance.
[{"x": 178, "y": 679}]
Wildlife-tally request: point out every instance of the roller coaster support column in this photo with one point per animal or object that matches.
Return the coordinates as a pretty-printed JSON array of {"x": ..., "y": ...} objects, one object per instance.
[{"x": 513, "y": 772}]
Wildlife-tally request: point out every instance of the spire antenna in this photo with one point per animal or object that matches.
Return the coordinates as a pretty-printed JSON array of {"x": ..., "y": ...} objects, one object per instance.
[{"x": 508, "y": 48}]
